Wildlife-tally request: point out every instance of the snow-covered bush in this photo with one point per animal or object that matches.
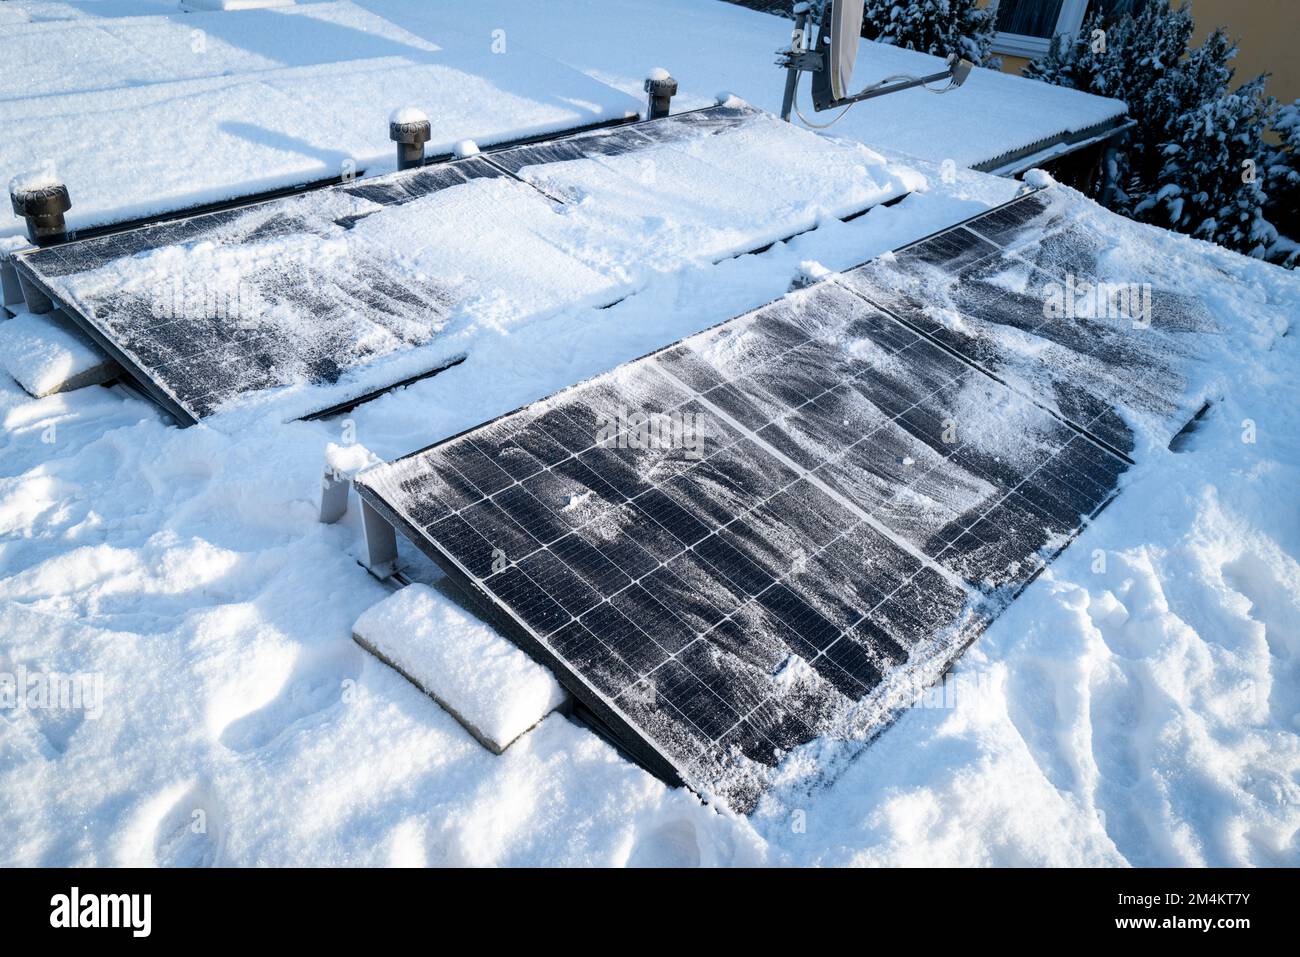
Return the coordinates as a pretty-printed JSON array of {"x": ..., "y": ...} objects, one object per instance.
[
  {"x": 1210, "y": 184},
  {"x": 939, "y": 27},
  {"x": 1194, "y": 161},
  {"x": 1282, "y": 184},
  {"x": 1134, "y": 58},
  {"x": 1057, "y": 65}
]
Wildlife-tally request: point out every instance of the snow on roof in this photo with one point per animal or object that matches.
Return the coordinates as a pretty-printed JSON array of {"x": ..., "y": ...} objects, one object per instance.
[
  {"x": 83, "y": 53},
  {"x": 197, "y": 107},
  {"x": 992, "y": 114},
  {"x": 165, "y": 112},
  {"x": 188, "y": 569}
]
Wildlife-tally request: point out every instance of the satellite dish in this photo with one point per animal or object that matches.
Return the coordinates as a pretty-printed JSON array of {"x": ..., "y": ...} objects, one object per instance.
[
  {"x": 846, "y": 28},
  {"x": 831, "y": 59}
]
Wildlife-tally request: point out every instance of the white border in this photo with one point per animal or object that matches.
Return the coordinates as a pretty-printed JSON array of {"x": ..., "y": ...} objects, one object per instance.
[{"x": 1069, "y": 21}]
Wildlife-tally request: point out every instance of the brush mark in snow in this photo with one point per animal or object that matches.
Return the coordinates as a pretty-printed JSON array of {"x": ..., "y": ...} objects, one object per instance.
[{"x": 1075, "y": 309}]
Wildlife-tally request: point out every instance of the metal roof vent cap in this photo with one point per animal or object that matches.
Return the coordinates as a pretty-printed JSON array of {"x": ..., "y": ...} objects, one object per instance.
[
  {"x": 662, "y": 88},
  {"x": 42, "y": 202},
  {"x": 410, "y": 129}
]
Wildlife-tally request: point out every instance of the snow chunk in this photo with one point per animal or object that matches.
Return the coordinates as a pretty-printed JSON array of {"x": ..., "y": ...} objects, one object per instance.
[
  {"x": 659, "y": 74},
  {"x": 1038, "y": 178},
  {"x": 46, "y": 354},
  {"x": 482, "y": 680},
  {"x": 812, "y": 270},
  {"x": 349, "y": 459},
  {"x": 408, "y": 114},
  {"x": 33, "y": 180},
  {"x": 795, "y": 672},
  {"x": 465, "y": 148},
  {"x": 576, "y": 501},
  {"x": 950, "y": 319}
]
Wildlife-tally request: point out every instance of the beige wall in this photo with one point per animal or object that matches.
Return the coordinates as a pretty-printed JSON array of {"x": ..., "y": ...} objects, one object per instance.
[
  {"x": 1268, "y": 32},
  {"x": 1013, "y": 64}
]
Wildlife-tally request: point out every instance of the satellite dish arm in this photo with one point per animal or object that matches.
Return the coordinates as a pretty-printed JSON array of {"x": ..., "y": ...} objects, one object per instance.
[
  {"x": 797, "y": 58},
  {"x": 803, "y": 57},
  {"x": 955, "y": 74}
]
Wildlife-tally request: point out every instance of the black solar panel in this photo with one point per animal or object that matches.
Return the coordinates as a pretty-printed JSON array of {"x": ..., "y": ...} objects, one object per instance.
[
  {"x": 339, "y": 290},
  {"x": 191, "y": 341},
  {"x": 1028, "y": 294},
  {"x": 760, "y": 536}
]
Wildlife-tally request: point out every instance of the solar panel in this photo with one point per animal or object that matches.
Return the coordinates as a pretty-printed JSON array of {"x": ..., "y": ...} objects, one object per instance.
[
  {"x": 1032, "y": 296},
  {"x": 333, "y": 295},
  {"x": 773, "y": 532},
  {"x": 256, "y": 299}
]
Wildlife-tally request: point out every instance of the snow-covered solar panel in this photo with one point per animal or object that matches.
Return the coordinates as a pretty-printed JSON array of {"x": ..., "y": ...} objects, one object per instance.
[
  {"x": 1040, "y": 296},
  {"x": 772, "y": 533},
  {"x": 217, "y": 306},
  {"x": 325, "y": 297}
]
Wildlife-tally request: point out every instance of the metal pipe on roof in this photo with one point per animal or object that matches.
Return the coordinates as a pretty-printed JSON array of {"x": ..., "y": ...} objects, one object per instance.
[
  {"x": 42, "y": 204},
  {"x": 410, "y": 130},
  {"x": 662, "y": 88}
]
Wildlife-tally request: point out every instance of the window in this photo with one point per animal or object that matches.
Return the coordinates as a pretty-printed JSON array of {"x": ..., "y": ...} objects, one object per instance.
[{"x": 1026, "y": 27}]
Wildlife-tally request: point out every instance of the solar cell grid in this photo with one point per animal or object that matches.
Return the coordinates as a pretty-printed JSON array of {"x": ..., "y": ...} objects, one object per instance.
[
  {"x": 198, "y": 339},
  {"x": 1125, "y": 349},
  {"x": 722, "y": 608},
  {"x": 664, "y": 514}
]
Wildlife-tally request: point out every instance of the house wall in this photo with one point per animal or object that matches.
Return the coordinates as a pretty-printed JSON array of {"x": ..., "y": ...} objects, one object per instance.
[
  {"x": 1013, "y": 64},
  {"x": 1269, "y": 36},
  {"x": 1268, "y": 32}
]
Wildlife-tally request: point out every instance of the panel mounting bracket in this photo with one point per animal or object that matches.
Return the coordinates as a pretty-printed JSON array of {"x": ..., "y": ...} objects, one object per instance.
[
  {"x": 334, "y": 488},
  {"x": 381, "y": 542}
]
